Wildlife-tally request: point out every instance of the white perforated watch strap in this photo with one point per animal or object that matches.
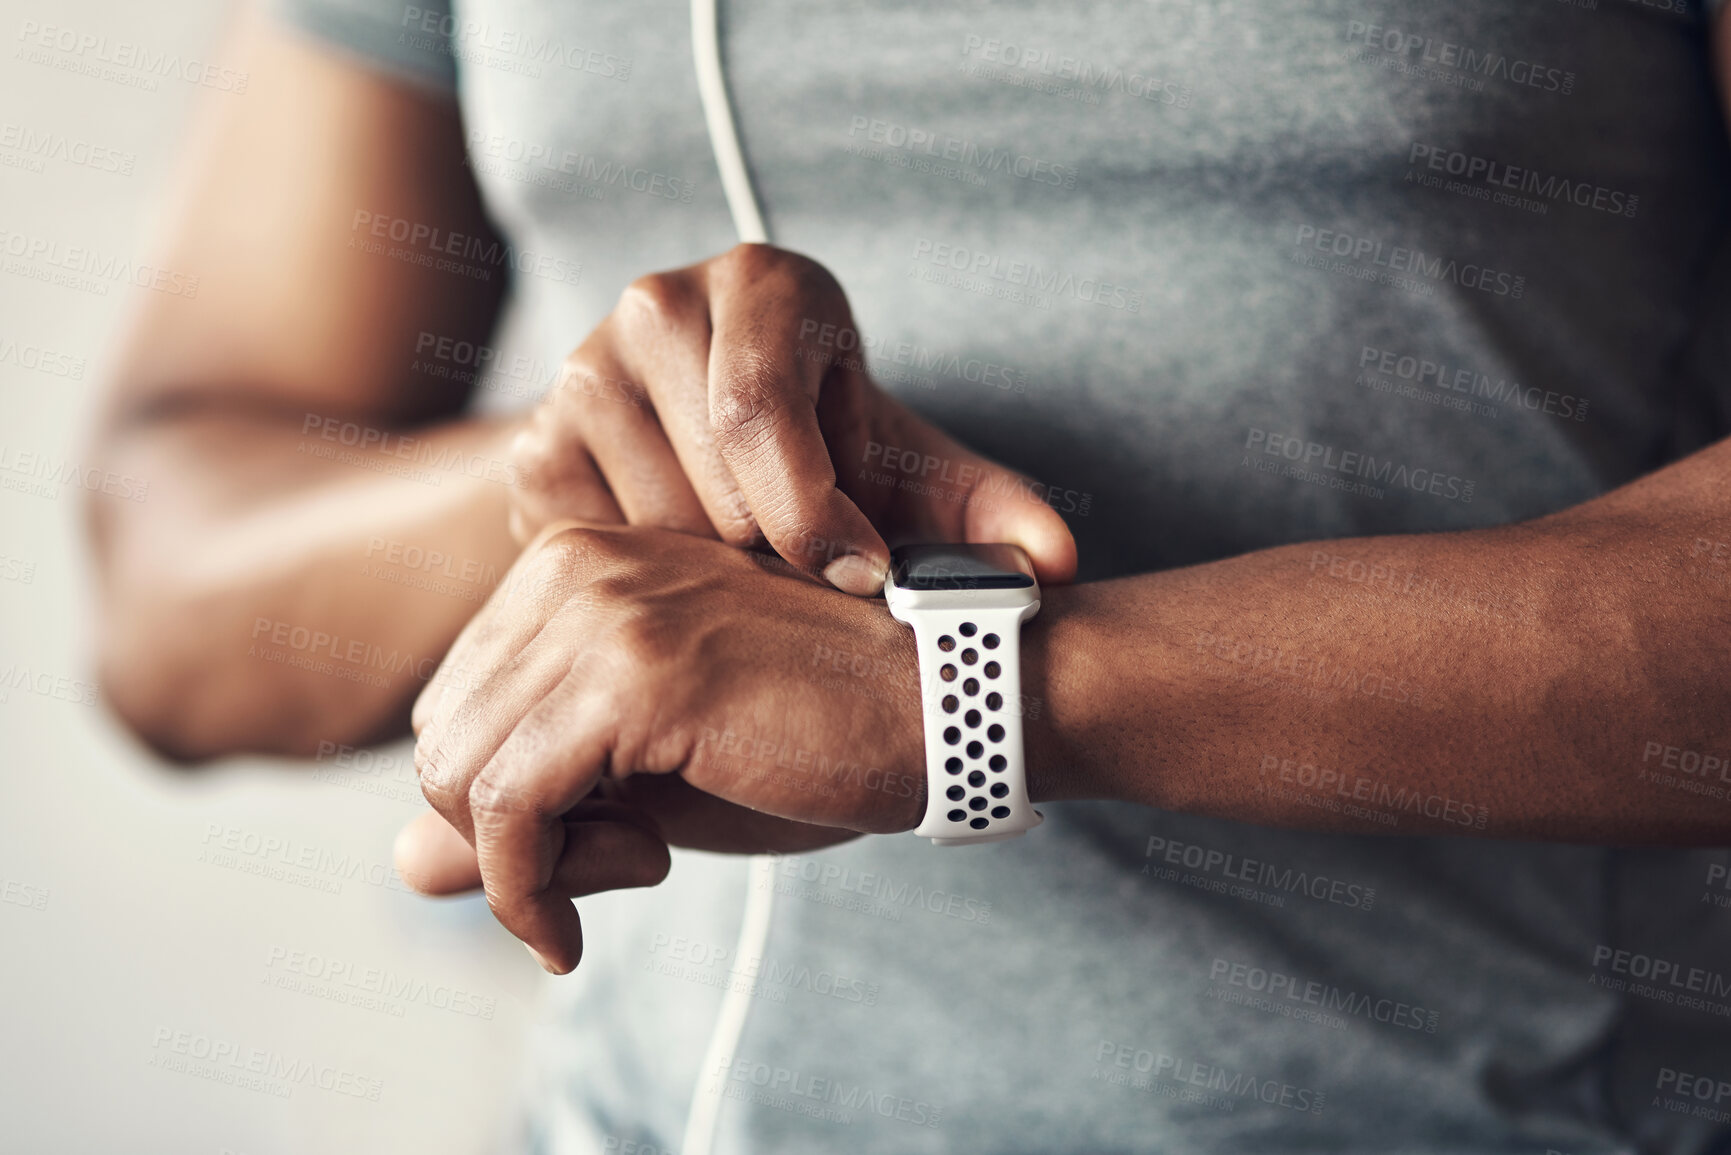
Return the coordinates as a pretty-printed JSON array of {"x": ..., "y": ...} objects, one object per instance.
[{"x": 971, "y": 693}]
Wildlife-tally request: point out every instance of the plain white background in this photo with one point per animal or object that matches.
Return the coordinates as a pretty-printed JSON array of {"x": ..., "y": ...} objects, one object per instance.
[{"x": 146, "y": 928}]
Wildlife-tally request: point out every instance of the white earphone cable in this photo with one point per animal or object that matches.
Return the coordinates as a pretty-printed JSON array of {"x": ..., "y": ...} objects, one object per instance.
[
  {"x": 705, "y": 1114},
  {"x": 700, "y": 1124},
  {"x": 718, "y": 114}
]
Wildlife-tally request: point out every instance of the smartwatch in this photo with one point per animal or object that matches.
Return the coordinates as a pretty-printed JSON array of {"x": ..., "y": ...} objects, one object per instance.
[{"x": 967, "y": 604}]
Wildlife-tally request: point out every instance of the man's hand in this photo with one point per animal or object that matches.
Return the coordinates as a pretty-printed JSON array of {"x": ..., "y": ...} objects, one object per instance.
[
  {"x": 614, "y": 652},
  {"x": 667, "y": 810},
  {"x": 730, "y": 399}
]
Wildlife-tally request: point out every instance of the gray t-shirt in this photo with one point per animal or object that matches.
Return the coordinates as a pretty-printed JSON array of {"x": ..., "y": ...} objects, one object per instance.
[{"x": 1221, "y": 276}]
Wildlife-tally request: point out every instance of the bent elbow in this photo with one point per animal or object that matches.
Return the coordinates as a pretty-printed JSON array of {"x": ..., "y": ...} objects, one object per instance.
[
  {"x": 157, "y": 697},
  {"x": 191, "y": 701}
]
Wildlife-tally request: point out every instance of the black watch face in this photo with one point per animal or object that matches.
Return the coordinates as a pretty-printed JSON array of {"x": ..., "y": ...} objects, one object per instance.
[{"x": 961, "y": 567}]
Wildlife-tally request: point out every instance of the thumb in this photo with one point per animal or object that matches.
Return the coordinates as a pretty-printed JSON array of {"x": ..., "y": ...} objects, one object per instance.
[
  {"x": 1007, "y": 506},
  {"x": 921, "y": 484},
  {"x": 620, "y": 847},
  {"x": 434, "y": 858}
]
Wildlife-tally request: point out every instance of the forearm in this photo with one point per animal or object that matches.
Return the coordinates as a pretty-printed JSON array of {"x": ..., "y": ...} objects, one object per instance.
[
  {"x": 1525, "y": 682},
  {"x": 285, "y": 584}
]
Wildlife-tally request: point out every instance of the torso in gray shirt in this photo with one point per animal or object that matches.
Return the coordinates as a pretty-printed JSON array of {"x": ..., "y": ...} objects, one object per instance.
[{"x": 1221, "y": 276}]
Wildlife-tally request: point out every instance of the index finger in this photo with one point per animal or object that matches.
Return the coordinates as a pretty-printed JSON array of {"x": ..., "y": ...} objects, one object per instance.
[
  {"x": 765, "y": 378},
  {"x": 549, "y": 763}
]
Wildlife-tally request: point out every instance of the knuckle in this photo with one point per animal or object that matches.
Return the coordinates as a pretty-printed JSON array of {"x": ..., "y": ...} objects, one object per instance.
[
  {"x": 800, "y": 544},
  {"x": 578, "y": 549},
  {"x": 779, "y": 270},
  {"x": 549, "y": 473},
  {"x": 750, "y": 260},
  {"x": 564, "y": 569},
  {"x": 656, "y": 300},
  {"x": 576, "y": 363},
  {"x": 736, "y": 525},
  {"x": 493, "y": 799},
  {"x": 574, "y": 390},
  {"x": 536, "y": 456},
  {"x": 745, "y": 416},
  {"x": 439, "y": 785}
]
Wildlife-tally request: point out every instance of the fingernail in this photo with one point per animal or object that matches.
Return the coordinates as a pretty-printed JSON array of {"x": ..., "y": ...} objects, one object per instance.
[
  {"x": 536, "y": 955},
  {"x": 855, "y": 575}
]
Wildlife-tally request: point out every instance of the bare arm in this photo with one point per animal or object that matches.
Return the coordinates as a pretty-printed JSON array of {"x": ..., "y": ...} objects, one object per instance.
[
  {"x": 291, "y": 452},
  {"x": 1542, "y": 681},
  {"x": 1566, "y": 679},
  {"x": 320, "y": 525},
  {"x": 1569, "y": 678}
]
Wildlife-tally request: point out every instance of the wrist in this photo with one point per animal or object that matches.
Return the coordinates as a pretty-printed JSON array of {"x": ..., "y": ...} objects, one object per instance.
[{"x": 1066, "y": 676}]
